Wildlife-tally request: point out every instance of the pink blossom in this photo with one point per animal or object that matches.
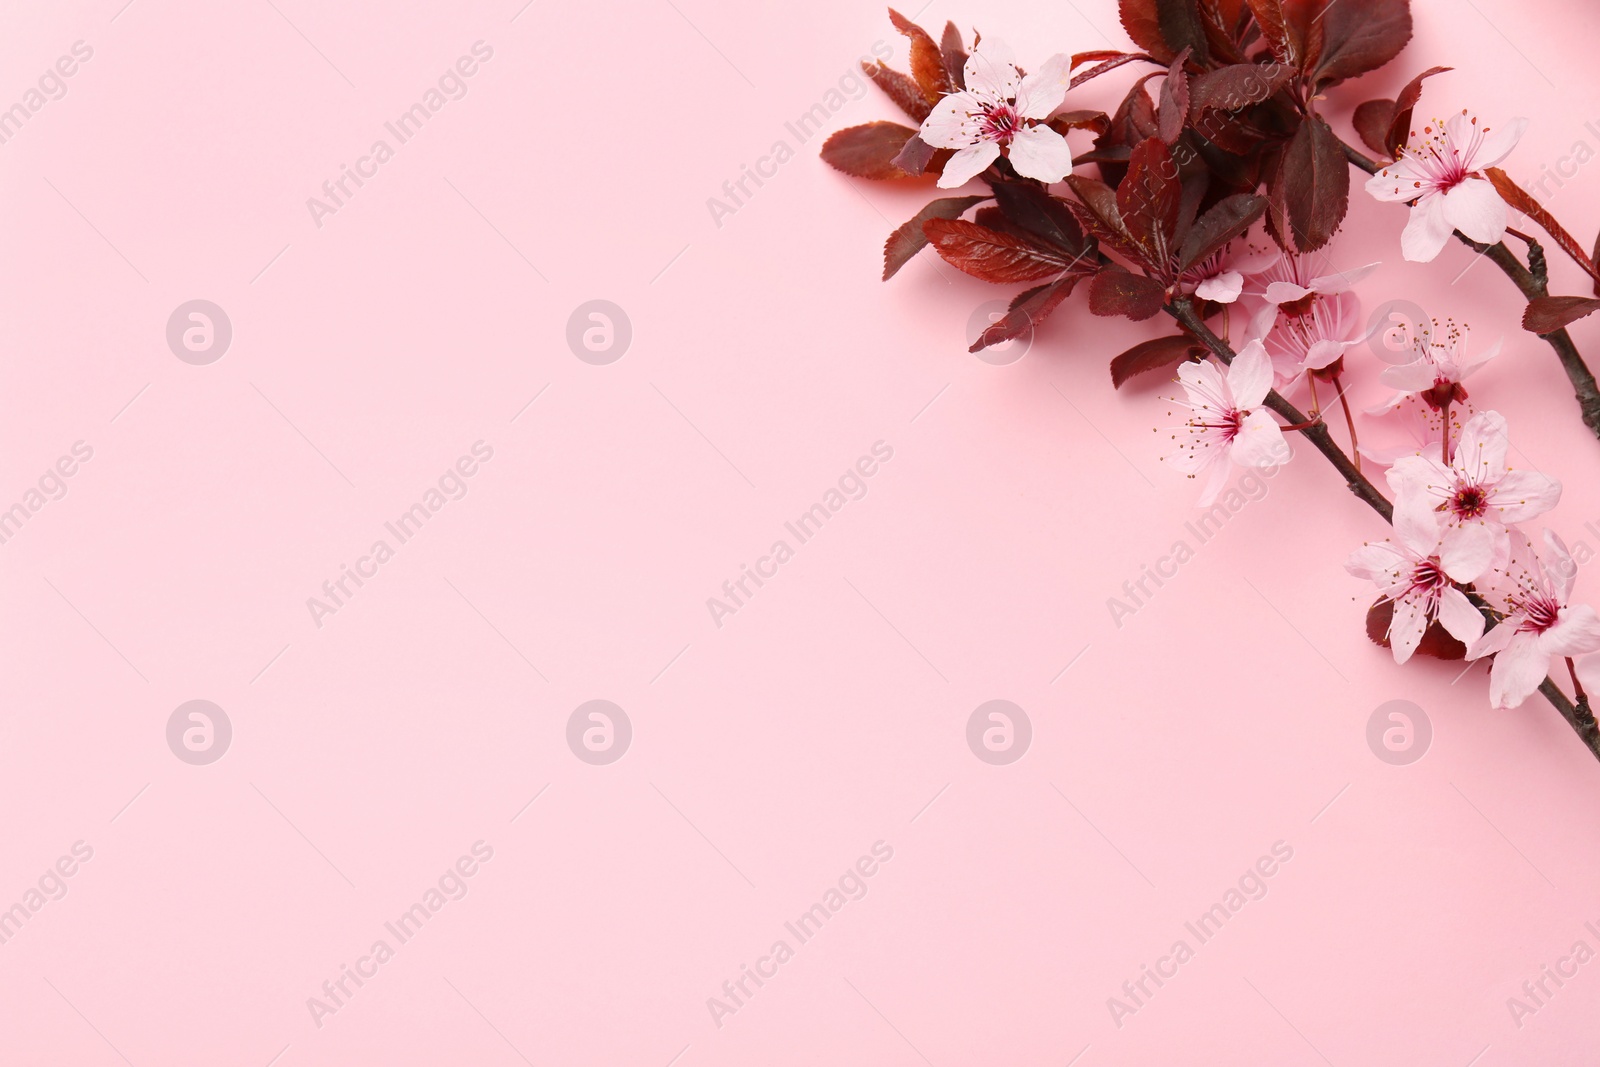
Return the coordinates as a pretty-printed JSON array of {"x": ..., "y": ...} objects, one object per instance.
[
  {"x": 1475, "y": 490},
  {"x": 1227, "y": 422},
  {"x": 1000, "y": 110},
  {"x": 1418, "y": 574},
  {"x": 1437, "y": 373},
  {"x": 1538, "y": 624},
  {"x": 1441, "y": 177}
]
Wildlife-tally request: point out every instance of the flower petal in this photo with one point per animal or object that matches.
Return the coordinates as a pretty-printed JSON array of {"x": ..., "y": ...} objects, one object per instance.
[
  {"x": 1475, "y": 208},
  {"x": 953, "y": 122},
  {"x": 991, "y": 71},
  {"x": 1381, "y": 563},
  {"x": 1524, "y": 495},
  {"x": 1493, "y": 641},
  {"x": 1480, "y": 452},
  {"x": 1457, "y": 615},
  {"x": 1041, "y": 153},
  {"x": 1342, "y": 281},
  {"x": 1559, "y": 566},
  {"x": 1576, "y": 633},
  {"x": 1260, "y": 442},
  {"x": 1517, "y": 672},
  {"x": 1224, "y": 288},
  {"x": 1042, "y": 91},
  {"x": 1411, "y": 377},
  {"x": 1399, "y": 182},
  {"x": 1220, "y": 472},
  {"x": 1427, "y": 231},
  {"x": 1285, "y": 292},
  {"x": 1466, "y": 551},
  {"x": 1250, "y": 375},
  {"x": 1496, "y": 143},
  {"x": 968, "y": 164},
  {"x": 1406, "y": 627},
  {"x": 1589, "y": 673}
]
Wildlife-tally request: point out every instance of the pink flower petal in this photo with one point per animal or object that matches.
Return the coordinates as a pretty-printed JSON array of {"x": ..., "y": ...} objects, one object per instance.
[
  {"x": 968, "y": 164},
  {"x": 1474, "y": 208},
  {"x": 1517, "y": 672},
  {"x": 1042, "y": 91},
  {"x": 1041, "y": 153},
  {"x": 1576, "y": 633},
  {"x": 1250, "y": 376},
  {"x": 1457, "y": 615},
  {"x": 1427, "y": 231}
]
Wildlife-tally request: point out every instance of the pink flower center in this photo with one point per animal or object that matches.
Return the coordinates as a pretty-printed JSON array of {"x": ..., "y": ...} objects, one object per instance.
[
  {"x": 1539, "y": 615},
  {"x": 1000, "y": 123},
  {"x": 1469, "y": 502},
  {"x": 1428, "y": 578},
  {"x": 1225, "y": 424}
]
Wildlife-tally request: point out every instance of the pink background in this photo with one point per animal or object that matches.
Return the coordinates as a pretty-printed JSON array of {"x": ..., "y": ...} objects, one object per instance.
[{"x": 829, "y": 713}]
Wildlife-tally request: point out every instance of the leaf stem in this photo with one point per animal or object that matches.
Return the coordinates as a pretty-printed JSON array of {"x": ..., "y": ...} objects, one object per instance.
[{"x": 1578, "y": 715}]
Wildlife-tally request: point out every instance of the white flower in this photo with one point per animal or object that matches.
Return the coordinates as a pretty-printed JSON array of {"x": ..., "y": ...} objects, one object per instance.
[
  {"x": 1419, "y": 574},
  {"x": 1227, "y": 420},
  {"x": 1539, "y": 625},
  {"x": 1441, "y": 179},
  {"x": 1001, "y": 110},
  {"x": 1475, "y": 490}
]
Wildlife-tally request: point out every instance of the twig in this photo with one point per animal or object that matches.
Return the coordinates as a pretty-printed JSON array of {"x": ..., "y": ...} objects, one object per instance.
[{"x": 1578, "y": 716}]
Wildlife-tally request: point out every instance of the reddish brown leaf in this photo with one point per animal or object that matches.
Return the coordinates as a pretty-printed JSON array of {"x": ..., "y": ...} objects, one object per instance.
[
  {"x": 991, "y": 255},
  {"x": 1096, "y": 209},
  {"x": 1139, "y": 18},
  {"x": 954, "y": 54},
  {"x": 868, "y": 151},
  {"x": 1028, "y": 310},
  {"x": 1100, "y": 68},
  {"x": 1547, "y": 314},
  {"x": 910, "y": 239},
  {"x": 1226, "y": 220},
  {"x": 1521, "y": 200},
  {"x": 1174, "y": 109},
  {"x": 1148, "y": 199},
  {"x": 1114, "y": 292},
  {"x": 1404, "y": 104},
  {"x": 1042, "y": 216},
  {"x": 1373, "y": 120},
  {"x": 1098, "y": 121},
  {"x": 1436, "y": 640},
  {"x": 916, "y": 157},
  {"x": 1237, "y": 86},
  {"x": 1360, "y": 36},
  {"x": 905, "y": 93},
  {"x": 927, "y": 63},
  {"x": 1181, "y": 28},
  {"x": 1152, "y": 355},
  {"x": 1312, "y": 186}
]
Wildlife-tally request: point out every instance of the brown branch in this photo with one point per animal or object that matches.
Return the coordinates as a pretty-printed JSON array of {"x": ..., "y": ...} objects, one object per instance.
[{"x": 1578, "y": 716}]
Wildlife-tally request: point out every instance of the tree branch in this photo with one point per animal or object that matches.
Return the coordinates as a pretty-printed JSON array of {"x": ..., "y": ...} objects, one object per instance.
[{"x": 1578, "y": 716}]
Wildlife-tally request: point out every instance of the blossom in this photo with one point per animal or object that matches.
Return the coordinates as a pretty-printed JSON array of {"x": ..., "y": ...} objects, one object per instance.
[
  {"x": 1418, "y": 573},
  {"x": 1417, "y": 429},
  {"x": 1442, "y": 179},
  {"x": 1312, "y": 338},
  {"x": 1474, "y": 489},
  {"x": 1538, "y": 624},
  {"x": 1228, "y": 422},
  {"x": 1437, "y": 374},
  {"x": 1287, "y": 278},
  {"x": 1214, "y": 279},
  {"x": 1001, "y": 110}
]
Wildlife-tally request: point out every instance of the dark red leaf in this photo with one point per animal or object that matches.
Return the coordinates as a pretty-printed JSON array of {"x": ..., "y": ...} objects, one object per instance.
[
  {"x": 1140, "y": 19},
  {"x": 1100, "y": 68},
  {"x": 1114, "y": 291},
  {"x": 910, "y": 239},
  {"x": 1152, "y": 355},
  {"x": 1181, "y": 28},
  {"x": 1148, "y": 199},
  {"x": 1404, "y": 104},
  {"x": 1360, "y": 36},
  {"x": 1228, "y": 218},
  {"x": 1436, "y": 640},
  {"x": 927, "y": 63},
  {"x": 1292, "y": 29},
  {"x": 1027, "y": 311},
  {"x": 905, "y": 93},
  {"x": 1098, "y": 121},
  {"x": 1372, "y": 121},
  {"x": 1312, "y": 187},
  {"x": 1096, "y": 209},
  {"x": 916, "y": 157},
  {"x": 1237, "y": 86},
  {"x": 868, "y": 151},
  {"x": 954, "y": 54},
  {"x": 1547, "y": 314},
  {"x": 991, "y": 255},
  {"x": 1041, "y": 215},
  {"x": 1523, "y": 201},
  {"x": 1174, "y": 109}
]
